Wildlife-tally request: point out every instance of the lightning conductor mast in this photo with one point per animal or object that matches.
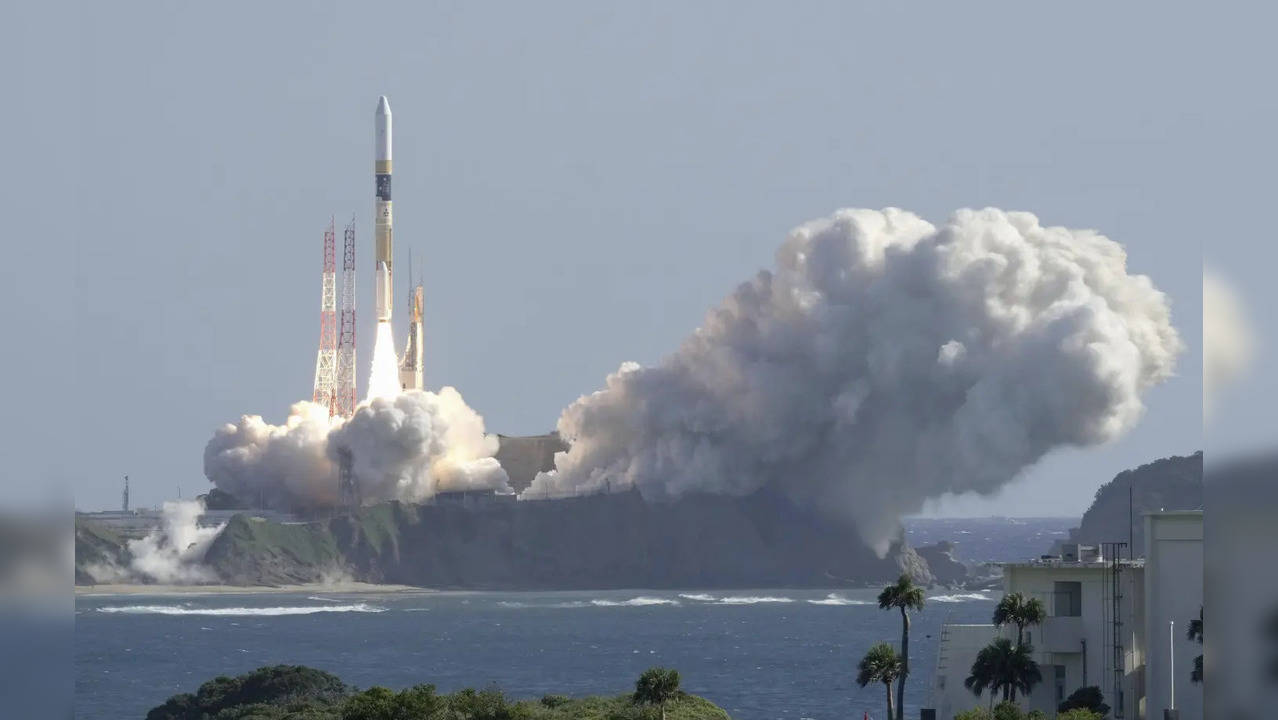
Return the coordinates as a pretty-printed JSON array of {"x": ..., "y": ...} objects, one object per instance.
[{"x": 382, "y": 210}]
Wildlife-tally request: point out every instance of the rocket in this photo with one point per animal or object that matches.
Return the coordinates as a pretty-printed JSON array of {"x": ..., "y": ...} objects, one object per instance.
[{"x": 382, "y": 208}]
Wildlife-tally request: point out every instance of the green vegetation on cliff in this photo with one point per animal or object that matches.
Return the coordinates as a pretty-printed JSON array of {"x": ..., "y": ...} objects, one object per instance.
[
  {"x": 253, "y": 551},
  {"x": 1173, "y": 483},
  {"x": 96, "y": 546},
  {"x": 294, "y": 692}
]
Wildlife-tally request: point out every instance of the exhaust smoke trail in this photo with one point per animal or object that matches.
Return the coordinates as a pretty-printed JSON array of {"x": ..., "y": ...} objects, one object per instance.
[
  {"x": 383, "y": 379},
  {"x": 883, "y": 362}
]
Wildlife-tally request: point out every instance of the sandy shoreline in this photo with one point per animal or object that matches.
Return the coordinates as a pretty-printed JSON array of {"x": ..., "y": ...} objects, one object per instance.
[{"x": 313, "y": 589}]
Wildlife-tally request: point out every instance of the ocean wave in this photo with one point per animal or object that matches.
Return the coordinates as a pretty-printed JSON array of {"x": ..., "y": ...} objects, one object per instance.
[
  {"x": 239, "y": 611},
  {"x": 961, "y": 597},
  {"x": 634, "y": 602},
  {"x": 836, "y": 599},
  {"x": 753, "y": 600},
  {"x": 698, "y": 597},
  {"x": 559, "y": 605}
]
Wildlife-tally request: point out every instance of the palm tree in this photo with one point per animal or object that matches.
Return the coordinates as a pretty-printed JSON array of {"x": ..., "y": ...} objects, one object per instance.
[
  {"x": 905, "y": 596},
  {"x": 1002, "y": 667},
  {"x": 880, "y": 664},
  {"x": 1018, "y": 610},
  {"x": 1195, "y": 634},
  {"x": 657, "y": 686}
]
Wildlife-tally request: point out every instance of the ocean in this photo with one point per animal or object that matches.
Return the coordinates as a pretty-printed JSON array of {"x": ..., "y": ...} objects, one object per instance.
[{"x": 760, "y": 654}]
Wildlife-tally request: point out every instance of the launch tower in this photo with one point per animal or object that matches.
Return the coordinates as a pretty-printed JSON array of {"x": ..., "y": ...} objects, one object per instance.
[
  {"x": 326, "y": 362},
  {"x": 346, "y": 395}
]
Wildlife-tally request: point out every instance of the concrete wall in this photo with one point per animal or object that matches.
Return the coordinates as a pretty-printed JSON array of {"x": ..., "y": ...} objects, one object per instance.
[
  {"x": 1083, "y": 644},
  {"x": 1174, "y": 593},
  {"x": 957, "y": 650},
  {"x": 523, "y": 457}
]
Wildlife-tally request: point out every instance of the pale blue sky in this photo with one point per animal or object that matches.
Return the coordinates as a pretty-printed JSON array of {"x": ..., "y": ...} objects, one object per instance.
[{"x": 578, "y": 183}]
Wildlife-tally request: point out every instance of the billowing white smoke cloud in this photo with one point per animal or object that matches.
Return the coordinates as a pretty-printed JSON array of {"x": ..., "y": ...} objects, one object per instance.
[
  {"x": 171, "y": 554},
  {"x": 416, "y": 444},
  {"x": 406, "y": 447},
  {"x": 280, "y": 466},
  {"x": 883, "y": 362}
]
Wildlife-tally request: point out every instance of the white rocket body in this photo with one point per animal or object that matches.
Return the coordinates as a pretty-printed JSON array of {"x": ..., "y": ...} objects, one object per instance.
[{"x": 383, "y": 231}]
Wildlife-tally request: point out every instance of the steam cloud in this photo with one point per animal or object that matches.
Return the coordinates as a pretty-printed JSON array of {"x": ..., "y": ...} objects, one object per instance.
[
  {"x": 406, "y": 447},
  {"x": 883, "y": 362},
  {"x": 172, "y": 553}
]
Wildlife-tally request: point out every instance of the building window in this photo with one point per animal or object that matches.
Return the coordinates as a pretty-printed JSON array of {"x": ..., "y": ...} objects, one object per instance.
[
  {"x": 1060, "y": 684},
  {"x": 1069, "y": 599}
]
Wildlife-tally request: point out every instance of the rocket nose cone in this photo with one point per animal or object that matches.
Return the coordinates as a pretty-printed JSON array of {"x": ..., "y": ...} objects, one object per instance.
[{"x": 383, "y": 106}]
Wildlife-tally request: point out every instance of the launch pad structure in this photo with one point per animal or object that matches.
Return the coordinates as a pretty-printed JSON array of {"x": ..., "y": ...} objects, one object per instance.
[
  {"x": 334, "y": 385},
  {"x": 335, "y": 377}
]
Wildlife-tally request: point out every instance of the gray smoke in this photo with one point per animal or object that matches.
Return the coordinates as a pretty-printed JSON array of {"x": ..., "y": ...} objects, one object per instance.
[
  {"x": 407, "y": 447},
  {"x": 883, "y": 362}
]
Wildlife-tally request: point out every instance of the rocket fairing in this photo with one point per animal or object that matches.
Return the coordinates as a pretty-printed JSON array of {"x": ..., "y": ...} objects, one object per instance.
[{"x": 382, "y": 210}]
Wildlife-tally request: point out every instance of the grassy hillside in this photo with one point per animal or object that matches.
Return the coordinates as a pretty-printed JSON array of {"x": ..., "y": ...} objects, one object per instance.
[
  {"x": 253, "y": 551},
  {"x": 96, "y": 546}
]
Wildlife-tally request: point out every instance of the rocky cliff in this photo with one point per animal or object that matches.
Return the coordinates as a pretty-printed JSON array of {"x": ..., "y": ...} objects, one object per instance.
[{"x": 595, "y": 542}]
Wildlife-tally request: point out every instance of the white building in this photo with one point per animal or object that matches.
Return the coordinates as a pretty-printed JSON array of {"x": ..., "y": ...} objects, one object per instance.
[
  {"x": 1101, "y": 613},
  {"x": 1174, "y": 594}
]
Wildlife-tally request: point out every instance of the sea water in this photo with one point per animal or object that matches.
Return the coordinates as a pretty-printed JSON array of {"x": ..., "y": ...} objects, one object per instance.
[{"x": 767, "y": 653}]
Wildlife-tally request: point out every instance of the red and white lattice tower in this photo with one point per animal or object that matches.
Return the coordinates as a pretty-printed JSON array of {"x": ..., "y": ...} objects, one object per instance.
[
  {"x": 346, "y": 395},
  {"x": 326, "y": 361}
]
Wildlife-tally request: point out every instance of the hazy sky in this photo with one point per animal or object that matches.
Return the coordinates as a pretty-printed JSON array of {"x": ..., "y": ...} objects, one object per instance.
[{"x": 578, "y": 183}]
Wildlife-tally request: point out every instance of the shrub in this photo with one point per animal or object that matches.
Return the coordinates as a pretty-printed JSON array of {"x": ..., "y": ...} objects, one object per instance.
[
  {"x": 554, "y": 701},
  {"x": 1086, "y": 698}
]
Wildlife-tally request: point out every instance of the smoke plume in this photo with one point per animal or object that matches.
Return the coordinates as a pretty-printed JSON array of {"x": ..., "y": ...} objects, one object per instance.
[
  {"x": 171, "y": 554},
  {"x": 883, "y": 362},
  {"x": 408, "y": 447}
]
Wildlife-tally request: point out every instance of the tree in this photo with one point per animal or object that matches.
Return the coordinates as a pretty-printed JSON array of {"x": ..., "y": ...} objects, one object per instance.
[
  {"x": 1085, "y": 698},
  {"x": 379, "y": 703},
  {"x": 880, "y": 664},
  {"x": 1195, "y": 634},
  {"x": 1002, "y": 667},
  {"x": 903, "y": 595},
  {"x": 1018, "y": 610},
  {"x": 657, "y": 686}
]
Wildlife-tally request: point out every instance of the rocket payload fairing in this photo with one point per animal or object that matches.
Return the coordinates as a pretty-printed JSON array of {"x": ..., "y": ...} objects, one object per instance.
[{"x": 382, "y": 210}]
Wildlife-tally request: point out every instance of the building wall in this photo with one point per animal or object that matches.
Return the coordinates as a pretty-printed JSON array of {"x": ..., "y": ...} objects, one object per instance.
[
  {"x": 1082, "y": 644},
  {"x": 523, "y": 457},
  {"x": 1174, "y": 593},
  {"x": 957, "y": 649}
]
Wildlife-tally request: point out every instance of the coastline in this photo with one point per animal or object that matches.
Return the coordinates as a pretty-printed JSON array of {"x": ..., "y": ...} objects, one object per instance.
[{"x": 340, "y": 588}]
